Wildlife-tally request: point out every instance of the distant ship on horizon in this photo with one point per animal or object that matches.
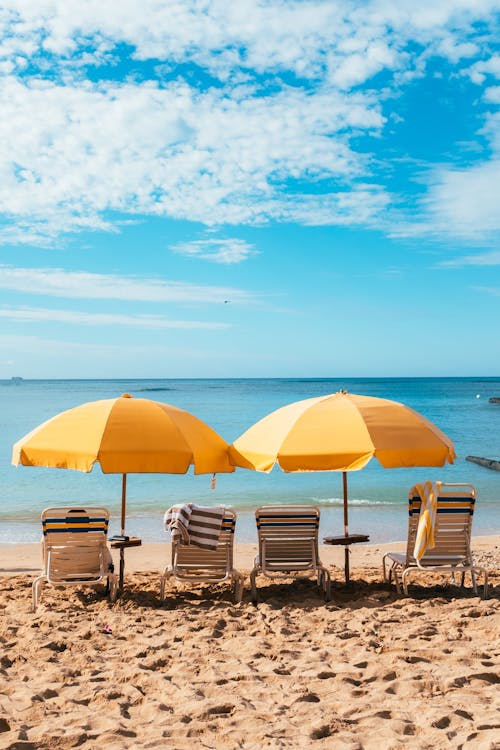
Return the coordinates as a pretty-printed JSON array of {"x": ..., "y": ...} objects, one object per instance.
[{"x": 16, "y": 379}]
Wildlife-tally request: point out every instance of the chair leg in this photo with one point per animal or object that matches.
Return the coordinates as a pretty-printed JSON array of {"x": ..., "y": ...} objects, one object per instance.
[
  {"x": 112, "y": 587},
  {"x": 166, "y": 575},
  {"x": 394, "y": 574},
  {"x": 36, "y": 592},
  {"x": 238, "y": 583},
  {"x": 406, "y": 575},
  {"x": 485, "y": 584},
  {"x": 162, "y": 588},
  {"x": 389, "y": 573},
  {"x": 253, "y": 585},
  {"x": 384, "y": 570},
  {"x": 327, "y": 588},
  {"x": 474, "y": 582}
]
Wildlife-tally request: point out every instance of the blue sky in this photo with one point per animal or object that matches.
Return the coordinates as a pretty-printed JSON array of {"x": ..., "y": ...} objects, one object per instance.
[{"x": 249, "y": 189}]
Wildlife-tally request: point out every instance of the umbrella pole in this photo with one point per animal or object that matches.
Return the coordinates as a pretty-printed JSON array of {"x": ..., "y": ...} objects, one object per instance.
[
  {"x": 122, "y": 550},
  {"x": 346, "y": 528},
  {"x": 124, "y": 496}
]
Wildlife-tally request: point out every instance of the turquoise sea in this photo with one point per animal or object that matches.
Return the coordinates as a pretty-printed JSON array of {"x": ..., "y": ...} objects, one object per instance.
[{"x": 459, "y": 406}]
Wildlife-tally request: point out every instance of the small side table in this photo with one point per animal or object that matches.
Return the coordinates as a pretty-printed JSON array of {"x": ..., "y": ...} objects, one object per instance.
[
  {"x": 122, "y": 544},
  {"x": 346, "y": 541}
]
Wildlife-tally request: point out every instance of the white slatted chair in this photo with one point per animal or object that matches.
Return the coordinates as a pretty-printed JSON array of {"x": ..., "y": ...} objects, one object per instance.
[
  {"x": 194, "y": 564},
  {"x": 452, "y": 537},
  {"x": 288, "y": 544},
  {"x": 75, "y": 550}
]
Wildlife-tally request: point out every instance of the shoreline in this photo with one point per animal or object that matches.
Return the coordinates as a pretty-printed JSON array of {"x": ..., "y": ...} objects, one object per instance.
[{"x": 154, "y": 556}]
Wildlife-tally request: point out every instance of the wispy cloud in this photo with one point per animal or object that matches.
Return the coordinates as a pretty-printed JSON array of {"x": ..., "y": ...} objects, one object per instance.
[
  {"x": 464, "y": 202},
  {"x": 56, "y": 282},
  {"x": 43, "y": 315},
  {"x": 225, "y": 251},
  {"x": 493, "y": 291},
  {"x": 481, "y": 259},
  {"x": 459, "y": 203}
]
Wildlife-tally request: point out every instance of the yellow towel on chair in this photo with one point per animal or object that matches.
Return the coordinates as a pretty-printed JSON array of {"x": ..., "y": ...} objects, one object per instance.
[{"x": 429, "y": 493}]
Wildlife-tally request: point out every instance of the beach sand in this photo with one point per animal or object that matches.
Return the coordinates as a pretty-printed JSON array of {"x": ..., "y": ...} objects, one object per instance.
[{"x": 367, "y": 670}]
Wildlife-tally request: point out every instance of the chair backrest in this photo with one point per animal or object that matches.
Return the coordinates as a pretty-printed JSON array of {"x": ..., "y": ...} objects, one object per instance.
[
  {"x": 288, "y": 536},
  {"x": 452, "y": 532},
  {"x": 74, "y": 540},
  {"x": 219, "y": 559},
  {"x": 63, "y": 525}
]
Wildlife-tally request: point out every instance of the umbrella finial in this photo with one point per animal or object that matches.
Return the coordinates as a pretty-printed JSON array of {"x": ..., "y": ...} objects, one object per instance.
[{"x": 126, "y": 395}]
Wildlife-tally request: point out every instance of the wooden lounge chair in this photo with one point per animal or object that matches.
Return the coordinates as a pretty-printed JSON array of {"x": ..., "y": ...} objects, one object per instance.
[
  {"x": 195, "y": 565},
  {"x": 288, "y": 543},
  {"x": 74, "y": 550},
  {"x": 452, "y": 537}
]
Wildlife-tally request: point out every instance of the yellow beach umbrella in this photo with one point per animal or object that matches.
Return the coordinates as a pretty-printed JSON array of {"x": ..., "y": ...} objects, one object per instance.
[
  {"x": 125, "y": 435},
  {"x": 341, "y": 432}
]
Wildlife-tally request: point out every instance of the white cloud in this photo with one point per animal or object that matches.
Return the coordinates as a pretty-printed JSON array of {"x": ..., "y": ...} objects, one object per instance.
[
  {"x": 222, "y": 35},
  {"x": 454, "y": 50},
  {"x": 366, "y": 203},
  {"x": 166, "y": 151},
  {"x": 225, "y": 251},
  {"x": 354, "y": 69},
  {"x": 56, "y": 282},
  {"x": 220, "y": 154},
  {"x": 464, "y": 202},
  {"x": 492, "y": 94},
  {"x": 491, "y": 131},
  {"x": 479, "y": 71},
  {"x": 73, "y": 317}
]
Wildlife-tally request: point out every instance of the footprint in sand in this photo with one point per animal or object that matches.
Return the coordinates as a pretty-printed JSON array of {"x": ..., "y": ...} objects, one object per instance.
[
  {"x": 490, "y": 677},
  {"x": 383, "y": 714},
  {"x": 464, "y": 714},
  {"x": 389, "y": 677},
  {"x": 442, "y": 723},
  {"x": 283, "y": 671},
  {"x": 308, "y": 698},
  {"x": 321, "y": 732},
  {"x": 222, "y": 710}
]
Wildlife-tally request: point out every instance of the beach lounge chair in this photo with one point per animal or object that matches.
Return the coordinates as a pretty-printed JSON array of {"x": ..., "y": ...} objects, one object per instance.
[
  {"x": 194, "y": 564},
  {"x": 288, "y": 543},
  {"x": 452, "y": 538},
  {"x": 74, "y": 550}
]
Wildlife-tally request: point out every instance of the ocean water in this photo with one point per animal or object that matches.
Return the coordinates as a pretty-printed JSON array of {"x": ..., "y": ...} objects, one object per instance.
[{"x": 377, "y": 496}]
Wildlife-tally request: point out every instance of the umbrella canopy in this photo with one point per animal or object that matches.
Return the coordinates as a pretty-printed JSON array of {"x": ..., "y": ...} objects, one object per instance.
[
  {"x": 341, "y": 432},
  {"x": 125, "y": 435}
]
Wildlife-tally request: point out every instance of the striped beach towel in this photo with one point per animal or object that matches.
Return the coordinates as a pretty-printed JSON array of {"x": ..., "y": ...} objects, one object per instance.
[
  {"x": 195, "y": 524},
  {"x": 429, "y": 493}
]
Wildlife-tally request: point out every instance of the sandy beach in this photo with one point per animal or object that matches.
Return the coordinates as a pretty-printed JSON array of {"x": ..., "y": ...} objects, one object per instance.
[{"x": 366, "y": 670}]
